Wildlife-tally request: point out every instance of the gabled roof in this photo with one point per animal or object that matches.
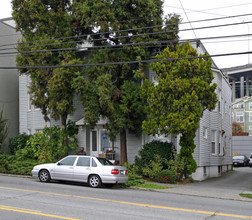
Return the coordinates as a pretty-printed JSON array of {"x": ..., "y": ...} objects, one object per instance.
[{"x": 243, "y": 100}]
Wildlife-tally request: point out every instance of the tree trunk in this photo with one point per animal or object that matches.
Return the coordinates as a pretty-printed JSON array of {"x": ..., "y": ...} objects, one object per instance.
[
  {"x": 64, "y": 125},
  {"x": 123, "y": 146}
]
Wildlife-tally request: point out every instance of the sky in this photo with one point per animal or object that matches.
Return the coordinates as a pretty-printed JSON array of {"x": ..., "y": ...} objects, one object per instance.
[{"x": 195, "y": 10}]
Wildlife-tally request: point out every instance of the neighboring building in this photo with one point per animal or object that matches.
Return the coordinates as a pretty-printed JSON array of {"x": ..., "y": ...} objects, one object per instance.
[
  {"x": 240, "y": 78},
  {"x": 9, "y": 78},
  {"x": 242, "y": 113},
  {"x": 212, "y": 154}
]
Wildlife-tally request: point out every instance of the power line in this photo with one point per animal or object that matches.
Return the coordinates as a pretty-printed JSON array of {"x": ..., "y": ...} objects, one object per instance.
[
  {"x": 79, "y": 49},
  {"x": 188, "y": 19},
  {"x": 127, "y": 62},
  {"x": 143, "y": 28},
  {"x": 153, "y": 33}
]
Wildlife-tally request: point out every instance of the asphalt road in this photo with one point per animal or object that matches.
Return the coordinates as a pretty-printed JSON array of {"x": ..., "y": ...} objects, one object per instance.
[{"x": 27, "y": 198}]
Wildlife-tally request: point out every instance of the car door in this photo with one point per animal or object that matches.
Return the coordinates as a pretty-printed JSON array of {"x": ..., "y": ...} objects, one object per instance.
[
  {"x": 64, "y": 168},
  {"x": 82, "y": 169}
]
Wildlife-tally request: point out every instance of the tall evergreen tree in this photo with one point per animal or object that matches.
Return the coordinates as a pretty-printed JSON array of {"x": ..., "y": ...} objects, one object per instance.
[
  {"x": 176, "y": 104},
  {"x": 43, "y": 25},
  {"x": 114, "y": 90}
]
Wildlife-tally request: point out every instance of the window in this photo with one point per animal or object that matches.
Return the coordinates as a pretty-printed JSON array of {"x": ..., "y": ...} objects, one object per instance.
[
  {"x": 219, "y": 101},
  {"x": 219, "y": 147},
  {"x": 94, "y": 140},
  {"x": 250, "y": 127},
  {"x": 250, "y": 105},
  {"x": 94, "y": 163},
  {"x": 240, "y": 116},
  {"x": 213, "y": 141},
  {"x": 205, "y": 133},
  {"x": 239, "y": 106},
  {"x": 29, "y": 102},
  {"x": 69, "y": 161},
  {"x": 104, "y": 140},
  {"x": 83, "y": 161},
  {"x": 250, "y": 117}
]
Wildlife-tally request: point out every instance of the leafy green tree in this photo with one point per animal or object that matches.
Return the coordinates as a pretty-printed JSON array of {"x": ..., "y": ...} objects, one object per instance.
[
  {"x": 176, "y": 104},
  {"x": 43, "y": 25},
  {"x": 113, "y": 90},
  {"x": 3, "y": 127}
]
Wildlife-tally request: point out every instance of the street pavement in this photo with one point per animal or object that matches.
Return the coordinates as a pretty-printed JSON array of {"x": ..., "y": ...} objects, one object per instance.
[{"x": 228, "y": 186}]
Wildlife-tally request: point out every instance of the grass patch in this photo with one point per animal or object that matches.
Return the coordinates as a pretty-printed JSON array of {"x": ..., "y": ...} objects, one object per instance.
[
  {"x": 246, "y": 195},
  {"x": 152, "y": 186}
]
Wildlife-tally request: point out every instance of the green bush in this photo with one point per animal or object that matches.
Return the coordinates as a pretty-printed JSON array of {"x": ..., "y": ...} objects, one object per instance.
[
  {"x": 49, "y": 145},
  {"x": 148, "y": 152},
  {"x": 12, "y": 165},
  {"x": 18, "y": 142},
  {"x": 153, "y": 168},
  {"x": 134, "y": 178},
  {"x": 166, "y": 176},
  {"x": 177, "y": 165}
]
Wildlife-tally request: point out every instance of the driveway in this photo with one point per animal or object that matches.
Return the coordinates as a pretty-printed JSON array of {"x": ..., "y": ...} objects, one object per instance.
[{"x": 228, "y": 186}]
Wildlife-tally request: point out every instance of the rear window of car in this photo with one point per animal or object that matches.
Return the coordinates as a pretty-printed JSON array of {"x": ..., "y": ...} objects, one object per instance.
[{"x": 104, "y": 161}]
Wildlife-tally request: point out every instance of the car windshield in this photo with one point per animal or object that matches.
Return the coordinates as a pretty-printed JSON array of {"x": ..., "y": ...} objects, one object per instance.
[
  {"x": 238, "y": 157},
  {"x": 104, "y": 161}
]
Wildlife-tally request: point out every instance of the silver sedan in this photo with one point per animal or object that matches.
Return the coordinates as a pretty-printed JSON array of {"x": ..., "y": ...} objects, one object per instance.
[{"x": 92, "y": 170}]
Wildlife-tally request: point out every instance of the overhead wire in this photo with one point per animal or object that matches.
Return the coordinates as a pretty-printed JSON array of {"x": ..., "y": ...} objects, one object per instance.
[
  {"x": 127, "y": 62},
  {"x": 137, "y": 35},
  {"x": 80, "y": 49},
  {"x": 133, "y": 29}
]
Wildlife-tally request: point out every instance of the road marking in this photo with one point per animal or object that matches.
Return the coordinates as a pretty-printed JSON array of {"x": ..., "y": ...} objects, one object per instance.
[
  {"x": 33, "y": 212},
  {"x": 134, "y": 204}
]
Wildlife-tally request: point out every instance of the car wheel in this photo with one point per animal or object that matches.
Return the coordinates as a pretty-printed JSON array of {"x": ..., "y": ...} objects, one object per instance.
[
  {"x": 44, "y": 176},
  {"x": 94, "y": 181}
]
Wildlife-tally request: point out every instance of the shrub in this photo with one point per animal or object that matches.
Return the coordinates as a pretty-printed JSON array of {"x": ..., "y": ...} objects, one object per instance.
[
  {"x": 166, "y": 176},
  {"x": 18, "y": 142},
  {"x": 153, "y": 168},
  {"x": 12, "y": 165},
  {"x": 3, "y": 128},
  {"x": 148, "y": 152},
  {"x": 177, "y": 165},
  {"x": 49, "y": 145},
  {"x": 134, "y": 178}
]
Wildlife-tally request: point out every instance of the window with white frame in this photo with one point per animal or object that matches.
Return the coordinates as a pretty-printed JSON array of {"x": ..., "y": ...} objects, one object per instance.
[
  {"x": 29, "y": 102},
  {"x": 205, "y": 132},
  {"x": 240, "y": 116},
  {"x": 250, "y": 106},
  {"x": 230, "y": 147},
  {"x": 239, "y": 106},
  {"x": 250, "y": 116},
  {"x": 213, "y": 142},
  {"x": 250, "y": 127},
  {"x": 219, "y": 146},
  {"x": 219, "y": 101}
]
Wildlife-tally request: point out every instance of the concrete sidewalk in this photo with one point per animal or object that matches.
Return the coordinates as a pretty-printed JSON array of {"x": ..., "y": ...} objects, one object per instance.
[
  {"x": 228, "y": 186},
  {"x": 194, "y": 189}
]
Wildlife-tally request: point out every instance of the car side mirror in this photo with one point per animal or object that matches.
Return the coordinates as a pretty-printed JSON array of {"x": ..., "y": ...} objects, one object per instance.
[{"x": 58, "y": 164}]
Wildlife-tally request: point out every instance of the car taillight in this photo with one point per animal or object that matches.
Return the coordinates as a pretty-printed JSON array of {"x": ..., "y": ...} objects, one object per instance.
[
  {"x": 114, "y": 171},
  {"x": 126, "y": 172}
]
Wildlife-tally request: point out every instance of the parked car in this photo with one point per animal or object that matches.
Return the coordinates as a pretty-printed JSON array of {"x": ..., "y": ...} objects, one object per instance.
[
  {"x": 240, "y": 160},
  {"x": 250, "y": 160},
  {"x": 92, "y": 170}
]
